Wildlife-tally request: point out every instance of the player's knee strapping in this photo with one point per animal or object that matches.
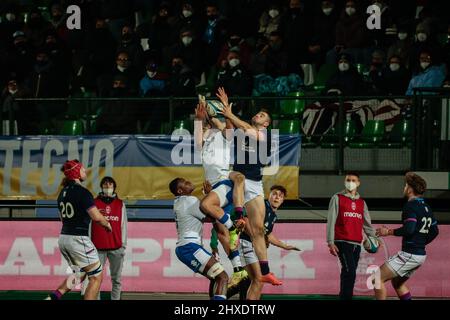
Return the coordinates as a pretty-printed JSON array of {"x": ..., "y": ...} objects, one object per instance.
[
  {"x": 215, "y": 270},
  {"x": 95, "y": 271}
]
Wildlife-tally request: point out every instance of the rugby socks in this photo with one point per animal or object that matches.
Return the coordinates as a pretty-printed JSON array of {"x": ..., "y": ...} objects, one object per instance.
[
  {"x": 219, "y": 297},
  {"x": 235, "y": 260},
  {"x": 56, "y": 295},
  {"x": 264, "y": 265},
  {"x": 406, "y": 296},
  {"x": 226, "y": 221},
  {"x": 239, "y": 212}
]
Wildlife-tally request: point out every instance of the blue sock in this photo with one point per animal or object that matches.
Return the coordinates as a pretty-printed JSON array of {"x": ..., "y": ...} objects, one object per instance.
[{"x": 219, "y": 297}]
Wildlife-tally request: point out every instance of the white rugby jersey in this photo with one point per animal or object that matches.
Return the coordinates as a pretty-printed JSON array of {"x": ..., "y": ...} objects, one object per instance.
[
  {"x": 216, "y": 155},
  {"x": 188, "y": 219}
]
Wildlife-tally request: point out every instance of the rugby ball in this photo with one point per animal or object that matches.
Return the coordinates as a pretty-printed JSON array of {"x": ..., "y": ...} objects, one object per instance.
[
  {"x": 214, "y": 107},
  {"x": 371, "y": 244}
]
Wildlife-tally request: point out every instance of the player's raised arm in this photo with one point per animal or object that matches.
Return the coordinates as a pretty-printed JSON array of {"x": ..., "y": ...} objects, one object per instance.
[
  {"x": 228, "y": 113},
  {"x": 278, "y": 243},
  {"x": 200, "y": 117}
]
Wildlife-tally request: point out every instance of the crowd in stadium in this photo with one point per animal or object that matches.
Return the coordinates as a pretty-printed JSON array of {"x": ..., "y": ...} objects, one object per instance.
[{"x": 146, "y": 48}]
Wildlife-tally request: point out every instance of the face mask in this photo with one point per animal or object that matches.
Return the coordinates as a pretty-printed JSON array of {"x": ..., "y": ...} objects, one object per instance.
[
  {"x": 446, "y": 86},
  {"x": 424, "y": 65},
  {"x": 295, "y": 11},
  {"x": 212, "y": 17},
  {"x": 151, "y": 74},
  {"x": 350, "y": 11},
  {"x": 176, "y": 68},
  {"x": 394, "y": 67},
  {"x": 350, "y": 186},
  {"x": 273, "y": 13},
  {"x": 108, "y": 191},
  {"x": 402, "y": 35},
  {"x": 13, "y": 91},
  {"x": 121, "y": 69},
  {"x": 234, "y": 62},
  {"x": 187, "y": 13},
  {"x": 344, "y": 66},
  {"x": 10, "y": 17},
  {"x": 327, "y": 11},
  {"x": 186, "y": 40},
  {"x": 422, "y": 37}
]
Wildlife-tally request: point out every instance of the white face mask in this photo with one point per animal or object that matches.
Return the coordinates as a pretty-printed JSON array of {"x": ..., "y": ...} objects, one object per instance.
[
  {"x": 402, "y": 35},
  {"x": 10, "y": 17},
  {"x": 394, "y": 67},
  {"x": 421, "y": 37},
  {"x": 186, "y": 40},
  {"x": 234, "y": 62},
  {"x": 108, "y": 191},
  {"x": 13, "y": 91},
  {"x": 327, "y": 11},
  {"x": 187, "y": 13},
  {"x": 273, "y": 13},
  {"x": 121, "y": 69},
  {"x": 151, "y": 74},
  {"x": 350, "y": 11},
  {"x": 424, "y": 65},
  {"x": 343, "y": 66},
  {"x": 350, "y": 186}
]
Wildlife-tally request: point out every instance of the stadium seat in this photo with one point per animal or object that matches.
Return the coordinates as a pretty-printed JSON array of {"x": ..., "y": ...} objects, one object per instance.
[
  {"x": 326, "y": 71},
  {"x": 331, "y": 139},
  {"x": 292, "y": 107},
  {"x": 72, "y": 127},
  {"x": 372, "y": 135},
  {"x": 289, "y": 126},
  {"x": 399, "y": 136}
]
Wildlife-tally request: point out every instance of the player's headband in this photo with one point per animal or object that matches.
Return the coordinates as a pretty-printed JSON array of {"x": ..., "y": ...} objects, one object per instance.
[{"x": 72, "y": 169}]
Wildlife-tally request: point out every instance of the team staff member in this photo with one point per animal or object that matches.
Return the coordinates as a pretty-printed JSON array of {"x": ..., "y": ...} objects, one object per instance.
[
  {"x": 348, "y": 218},
  {"x": 76, "y": 206},
  {"x": 111, "y": 246}
]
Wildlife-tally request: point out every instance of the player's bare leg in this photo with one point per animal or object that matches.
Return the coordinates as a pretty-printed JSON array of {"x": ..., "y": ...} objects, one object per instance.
[
  {"x": 238, "y": 196},
  {"x": 95, "y": 280},
  {"x": 386, "y": 274},
  {"x": 256, "y": 212},
  {"x": 400, "y": 288},
  {"x": 224, "y": 236},
  {"x": 256, "y": 286},
  {"x": 215, "y": 272}
]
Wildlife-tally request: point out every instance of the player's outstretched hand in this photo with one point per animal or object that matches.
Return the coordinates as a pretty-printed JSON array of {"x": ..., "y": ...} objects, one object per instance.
[
  {"x": 222, "y": 95},
  {"x": 333, "y": 249},
  {"x": 382, "y": 232}
]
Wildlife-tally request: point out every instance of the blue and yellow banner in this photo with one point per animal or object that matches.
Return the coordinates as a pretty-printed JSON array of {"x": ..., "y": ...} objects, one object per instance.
[{"x": 143, "y": 166}]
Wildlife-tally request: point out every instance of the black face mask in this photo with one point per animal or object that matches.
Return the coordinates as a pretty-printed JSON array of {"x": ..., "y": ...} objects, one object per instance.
[
  {"x": 119, "y": 92},
  {"x": 295, "y": 11},
  {"x": 177, "y": 68},
  {"x": 212, "y": 17},
  {"x": 234, "y": 42}
]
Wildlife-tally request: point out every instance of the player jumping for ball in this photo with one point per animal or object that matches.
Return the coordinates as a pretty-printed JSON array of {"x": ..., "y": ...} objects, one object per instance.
[
  {"x": 189, "y": 250},
  {"x": 419, "y": 229}
]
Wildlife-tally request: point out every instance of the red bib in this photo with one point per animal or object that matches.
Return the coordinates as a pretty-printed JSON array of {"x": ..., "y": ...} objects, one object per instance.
[
  {"x": 350, "y": 220},
  {"x": 102, "y": 239}
]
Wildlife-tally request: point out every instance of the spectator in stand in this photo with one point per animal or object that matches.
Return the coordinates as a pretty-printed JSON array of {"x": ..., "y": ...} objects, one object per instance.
[
  {"x": 154, "y": 82},
  {"x": 187, "y": 19},
  {"x": 271, "y": 58},
  {"x": 431, "y": 75},
  {"x": 191, "y": 49},
  {"x": 270, "y": 20},
  {"x": 21, "y": 56},
  {"x": 347, "y": 80},
  {"x": 235, "y": 43},
  {"x": 423, "y": 42},
  {"x": 181, "y": 84},
  {"x": 100, "y": 49},
  {"x": 161, "y": 29},
  {"x": 130, "y": 44},
  {"x": 322, "y": 39},
  {"x": 376, "y": 71},
  {"x": 395, "y": 78},
  {"x": 351, "y": 35},
  {"x": 36, "y": 28},
  {"x": 295, "y": 28},
  {"x": 9, "y": 24},
  {"x": 214, "y": 33},
  {"x": 23, "y": 116},
  {"x": 402, "y": 46},
  {"x": 123, "y": 67},
  {"x": 59, "y": 55},
  {"x": 58, "y": 19}
]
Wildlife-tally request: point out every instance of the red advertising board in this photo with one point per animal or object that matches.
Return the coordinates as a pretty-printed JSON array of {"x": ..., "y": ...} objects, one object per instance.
[{"x": 30, "y": 260}]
